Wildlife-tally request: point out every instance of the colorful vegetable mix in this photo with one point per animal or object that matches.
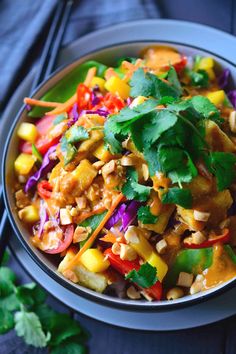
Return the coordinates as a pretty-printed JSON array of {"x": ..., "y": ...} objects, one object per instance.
[{"x": 131, "y": 170}]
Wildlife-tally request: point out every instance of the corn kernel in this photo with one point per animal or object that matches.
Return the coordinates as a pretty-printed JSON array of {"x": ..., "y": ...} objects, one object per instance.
[
  {"x": 29, "y": 214},
  {"x": 159, "y": 264},
  {"x": 217, "y": 97},
  {"x": 24, "y": 163},
  {"x": 28, "y": 132},
  {"x": 94, "y": 260},
  {"x": 98, "y": 81},
  {"x": 116, "y": 85}
]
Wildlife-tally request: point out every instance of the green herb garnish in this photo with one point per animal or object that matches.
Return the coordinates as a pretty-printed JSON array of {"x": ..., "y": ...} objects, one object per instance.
[
  {"x": 132, "y": 189},
  {"x": 145, "y": 277},
  {"x": 145, "y": 215}
]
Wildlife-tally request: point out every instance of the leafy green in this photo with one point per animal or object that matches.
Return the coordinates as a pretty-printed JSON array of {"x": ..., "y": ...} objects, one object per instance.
[
  {"x": 6, "y": 320},
  {"x": 178, "y": 196},
  {"x": 36, "y": 153},
  {"x": 222, "y": 164},
  {"x": 92, "y": 222},
  {"x": 69, "y": 151},
  {"x": 28, "y": 326},
  {"x": 30, "y": 294},
  {"x": 10, "y": 302},
  {"x": 145, "y": 277},
  {"x": 76, "y": 134},
  {"x": 132, "y": 189},
  {"x": 149, "y": 85},
  {"x": 7, "y": 280},
  {"x": 172, "y": 77},
  {"x": 198, "y": 78},
  {"x": 145, "y": 215}
]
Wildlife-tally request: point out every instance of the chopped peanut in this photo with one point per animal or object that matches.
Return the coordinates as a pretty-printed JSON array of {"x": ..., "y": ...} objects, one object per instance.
[
  {"x": 232, "y": 121},
  {"x": 131, "y": 235},
  {"x": 81, "y": 202},
  {"x": 65, "y": 217},
  {"x": 133, "y": 293},
  {"x": 200, "y": 215},
  {"x": 145, "y": 172},
  {"x": 161, "y": 246},
  {"x": 174, "y": 293},
  {"x": 21, "y": 199},
  {"x": 98, "y": 164},
  {"x": 127, "y": 161},
  {"x": 127, "y": 253},
  {"x": 197, "y": 285},
  {"x": 185, "y": 279},
  {"x": 198, "y": 237},
  {"x": 116, "y": 248},
  {"x": 69, "y": 274},
  {"x": 81, "y": 233},
  {"x": 108, "y": 168}
]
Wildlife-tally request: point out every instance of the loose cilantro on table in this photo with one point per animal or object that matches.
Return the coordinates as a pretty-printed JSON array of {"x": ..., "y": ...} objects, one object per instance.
[
  {"x": 145, "y": 277},
  {"x": 145, "y": 215},
  {"x": 132, "y": 189},
  {"x": 24, "y": 309}
]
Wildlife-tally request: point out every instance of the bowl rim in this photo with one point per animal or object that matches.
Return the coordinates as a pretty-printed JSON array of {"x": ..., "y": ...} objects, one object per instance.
[{"x": 75, "y": 288}]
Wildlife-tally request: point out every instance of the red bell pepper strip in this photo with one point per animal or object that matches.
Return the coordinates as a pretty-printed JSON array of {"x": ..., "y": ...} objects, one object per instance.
[
  {"x": 84, "y": 97},
  {"x": 44, "y": 189},
  {"x": 124, "y": 267},
  {"x": 224, "y": 238},
  {"x": 113, "y": 103}
]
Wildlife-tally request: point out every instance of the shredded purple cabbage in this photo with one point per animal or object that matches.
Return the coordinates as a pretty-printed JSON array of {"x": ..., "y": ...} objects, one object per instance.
[
  {"x": 232, "y": 97},
  {"x": 116, "y": 216},
  {"x": 223, "y": 79},
  {"x": 95, "y": 99},
  {"x": 100, "y": 111},
  {"x": 28, "y": 107},
  {"x": 43, "y": 217},
  {"x": 129, "y": 101},
  {"x": 130, "y": 214},
  {"x": 127, "y": 213},
  {"x": 46, "y": 166}
]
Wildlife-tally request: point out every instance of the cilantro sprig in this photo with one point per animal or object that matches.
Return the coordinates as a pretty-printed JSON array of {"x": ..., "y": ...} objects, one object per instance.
[
  {"x": 145, "y": 277},
  {"x": 74, "y": 135},
  {"x": 132, "y": 189},
  {"x": 145, "y": 215},
  {"x": 24, "y": 309}
]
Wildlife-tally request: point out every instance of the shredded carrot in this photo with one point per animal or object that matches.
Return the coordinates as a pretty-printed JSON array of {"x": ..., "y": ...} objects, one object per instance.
[
  {"x": 92, "y": 238},
  {"x": 90, "y": 75},
  {"x": 131, "y": 68},
  {"x": 34, "y": 102},
  {"x": 63, "y": 107},
  {"x": 109, "y": 73},
  {"x": 109, "y": 237},
  {"x": 87, "y": 214}
]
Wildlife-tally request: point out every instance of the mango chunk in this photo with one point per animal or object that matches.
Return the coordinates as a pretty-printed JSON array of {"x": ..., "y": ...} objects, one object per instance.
[
  {"x": 24, "y": 163},
  {"x": 94, "y": 260},
  {"x": 116, "y": 86},
  {"x": 216, "y": 97},
  {"x": 28, "y": 132},
  {"x": 29, "y": 214}
]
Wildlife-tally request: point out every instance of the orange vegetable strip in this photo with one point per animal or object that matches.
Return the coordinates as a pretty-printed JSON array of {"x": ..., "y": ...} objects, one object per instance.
[
  {"x": 34, "y": 102},
  {"x": 109, "y": 73},
  {"x": 90, "y": 75},
  {"x": 92, "y": 238},
  {"x": 109, "y": 237},
  {"x": 85, "y": 215},
  {"x": 63, "y": 107}
]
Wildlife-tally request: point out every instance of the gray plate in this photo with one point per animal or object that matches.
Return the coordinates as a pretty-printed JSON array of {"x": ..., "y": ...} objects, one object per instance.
[{"x": 153, "y": 30}]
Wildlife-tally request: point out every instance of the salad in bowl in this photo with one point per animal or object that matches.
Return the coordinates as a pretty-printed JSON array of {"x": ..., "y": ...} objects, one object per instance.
[{"x": 126, "y": 175}]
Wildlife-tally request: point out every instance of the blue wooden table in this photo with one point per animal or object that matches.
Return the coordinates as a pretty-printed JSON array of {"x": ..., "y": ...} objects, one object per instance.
[{"x": 219, "y": 338}]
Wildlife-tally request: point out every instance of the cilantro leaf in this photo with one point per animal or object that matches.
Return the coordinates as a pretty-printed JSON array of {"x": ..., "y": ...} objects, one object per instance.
[
  {"x": 7, "y": 280},
  {"x": 69, "y": 348},
  {"x": 76, "y": 134},
  {"x": 30, "y": 294},
  {"x": 150, "y": 85},
  {"x": 7, "y": 321},
  {"x": 184, "y": 173},
  {"x": 175, "y": 195},
  {"x": 145, "y": 215},
  {"x": 132, "y": 189},
  {"x": 28, "y": 326},
  {"x": 170, "y": 158},
  {"x": 205, "y": 107},
  {"x": 160, "y": 122},
  {"x": 150, "y": 155},
  {"x": 172, "y": 77},
  {"x": 222, "y": 164},
  {"x": 69, "y": 151},
  {"x": 111, "y": 129},
  {"x": 145, "y": 277},
  {"x": 198, "y": 78},
  {"x": 10, "y": 302}
]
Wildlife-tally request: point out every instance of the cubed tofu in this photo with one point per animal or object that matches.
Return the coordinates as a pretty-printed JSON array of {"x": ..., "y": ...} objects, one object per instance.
[{"x": 217, "y": 139}]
